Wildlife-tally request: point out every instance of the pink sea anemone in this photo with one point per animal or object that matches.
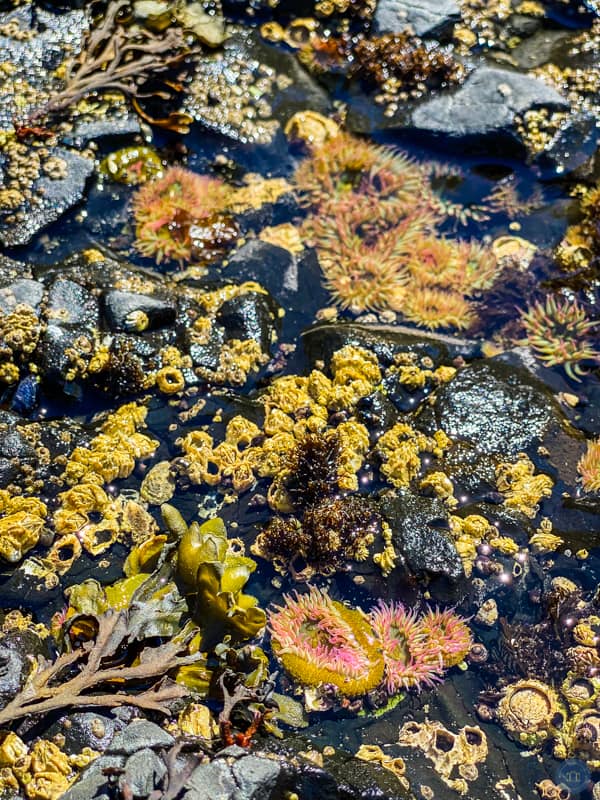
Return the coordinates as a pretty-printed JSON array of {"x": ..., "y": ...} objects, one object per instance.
[
  {"x": 449, "y": 633},
  {"x": 412, "y": 659},
  {"x": 320, "y": 641},
  {"x": 166, "y": 208}
]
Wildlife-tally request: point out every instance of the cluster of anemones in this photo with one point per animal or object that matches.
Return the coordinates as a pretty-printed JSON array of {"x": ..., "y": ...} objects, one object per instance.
[
  {"x": 321, "y": 641},
  {"x": 182, "y": 215},
  {"x": 372, "y": 222}
]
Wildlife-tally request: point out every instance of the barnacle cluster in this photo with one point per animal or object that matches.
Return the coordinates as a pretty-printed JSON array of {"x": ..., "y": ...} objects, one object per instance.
[
  {"x": 294, "y": 407},
  {"x": 468, "y": 533},
  {"x": 237, "y": 358},
  {"x": 112, "y": 452},
  {"x": 580, "y": 248},
  {"x": 455, "y": 756},
  {"x": 20, "y": 330},
  {"x": 521, "y": 487},
  {"x": 22, "y": 520},
  {"x": 400, "y": 449},
  {"x": 372, "y": 222},
  {"x": 560, "y": 332},
  {"x": 231, "y": 91},
  {"x": 40, "y": 772},
  {"x": 86, "y": 512}
]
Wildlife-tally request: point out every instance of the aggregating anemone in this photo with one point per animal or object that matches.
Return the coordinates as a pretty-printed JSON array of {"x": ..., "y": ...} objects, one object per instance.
[
  {"x": 319, "y": 640},
  {"x": 228, "y": 508}
]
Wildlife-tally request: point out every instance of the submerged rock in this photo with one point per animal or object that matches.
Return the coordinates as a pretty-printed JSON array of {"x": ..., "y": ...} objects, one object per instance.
[
  {"x": 486, "y": 105},
  {"x": 424, "y": 17},
  {"x": 53, "y": 197}
]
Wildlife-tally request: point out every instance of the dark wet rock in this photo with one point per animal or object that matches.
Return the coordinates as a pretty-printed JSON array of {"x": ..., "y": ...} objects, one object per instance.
[
  {"x": 90, "y": 784},
  {"x": 377, "y": 413},
  {"x": 486, "y": 105},
  {"x": 85, "y": 729},
  {"x": 69, "y": 303},
  {"x": 137, "y": 735},
  {"x": 143, "y": 772},
  {"x": 235, "y": 775},
  {"x": 248, "y": 316},
  {"x": 419, "y": 528},
  {"x": 471, "y": 471},
  {"x": 321, "y": 341},
  {"x": 524, "y": 25},
  {"x": 120, "y": 309},
  {"x": 342, "y": 777},
  {"x": 55, "y": 195},
  {"x": 17, "y": 648},
  {"x": 574, "y": 146},
  {"x": 539, "y": 48},
  {"x": 22, "y": 290},
  {"x": 500, "y": 408},
  {"x": 110, "y": 128},
  {"x": 211, "y": 780},
  {"x": 424, "y": 17},
  {"x": 286, "y": 276}
]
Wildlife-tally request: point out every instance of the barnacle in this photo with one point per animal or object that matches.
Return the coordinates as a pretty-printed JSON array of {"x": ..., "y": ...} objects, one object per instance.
[
  {"x": 522, "y": 489},
  {"x": 42, "y": 771},
  {"x": 531, "y": 712},
  {"x": 311, "y": 128},
  {"x": 112, "y": 453},
  {"x": 232, "y": 460},
  {"x": 237, "y": 359},
  {"x": 158, "y": 486},
  {"x": 450, "y": 752},
  {"x": 79, "y": 507}
]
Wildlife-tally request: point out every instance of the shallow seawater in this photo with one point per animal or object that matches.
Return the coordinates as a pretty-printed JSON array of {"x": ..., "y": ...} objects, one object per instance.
[{"x": 507, "y": 402}]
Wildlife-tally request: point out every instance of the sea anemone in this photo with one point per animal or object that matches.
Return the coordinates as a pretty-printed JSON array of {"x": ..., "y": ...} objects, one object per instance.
[
  {"x": 438, "y": 308},
  {"x": 363, "y": 172},
  {"x": 411, "y": 659},
  {"x": 449, "y": 633},
  {"x": 166, "y": 208},
  {"x": 434, "y": 262},
  {"x": 364, "y": 272},
  {"x": 320, "y": 641},
  {"x": 447, "y": 184},
  {"x": 589, "y": 467},
  {"x": 556, "y": 331}
]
